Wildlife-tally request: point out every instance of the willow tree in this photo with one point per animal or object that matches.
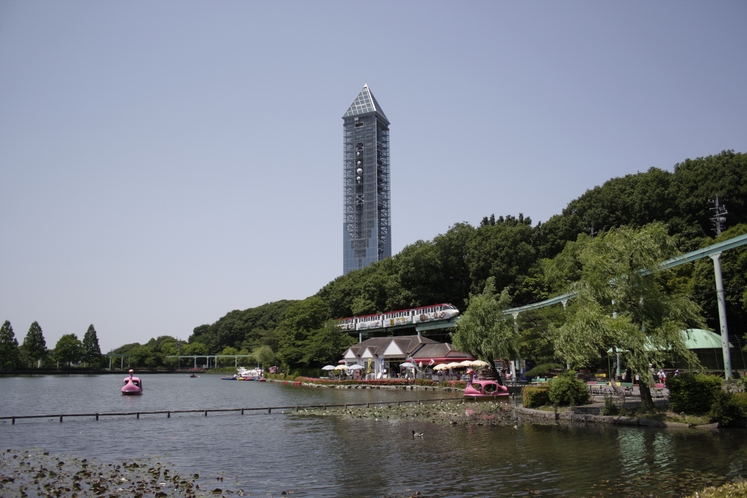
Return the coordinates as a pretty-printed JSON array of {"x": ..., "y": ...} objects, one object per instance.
[
  {"x": 483, "y": 329},
  {"x": 623, "y": 305}
]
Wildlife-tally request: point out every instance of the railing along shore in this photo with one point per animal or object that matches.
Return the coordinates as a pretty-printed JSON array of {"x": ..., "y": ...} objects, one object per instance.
[{"x": 268, "y": 409}]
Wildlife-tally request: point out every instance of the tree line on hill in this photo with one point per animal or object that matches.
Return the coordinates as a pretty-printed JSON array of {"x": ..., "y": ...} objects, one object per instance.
[{"x": 514, "y": 261}]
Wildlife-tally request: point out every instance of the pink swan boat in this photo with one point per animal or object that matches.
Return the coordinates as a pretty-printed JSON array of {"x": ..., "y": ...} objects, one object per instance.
[
  {"x": 132, "y": 384},
  {"x": 485, "y": 390}
]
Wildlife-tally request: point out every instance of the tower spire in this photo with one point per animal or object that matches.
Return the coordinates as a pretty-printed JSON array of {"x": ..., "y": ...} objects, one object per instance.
[{"x": 364, "y": 103}]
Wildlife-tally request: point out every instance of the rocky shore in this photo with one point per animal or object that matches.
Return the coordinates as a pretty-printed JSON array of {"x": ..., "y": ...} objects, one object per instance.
[{"x": 579, "y": 416}]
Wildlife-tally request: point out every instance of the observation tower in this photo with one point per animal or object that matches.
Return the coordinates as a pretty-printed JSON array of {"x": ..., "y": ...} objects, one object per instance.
[{"x": 366, "y": 228}]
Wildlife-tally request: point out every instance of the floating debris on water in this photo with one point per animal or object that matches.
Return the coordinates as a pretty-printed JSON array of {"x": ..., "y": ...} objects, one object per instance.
[
  {"x": 30, "y": 473},
  {"x": 449, "y": 413}
]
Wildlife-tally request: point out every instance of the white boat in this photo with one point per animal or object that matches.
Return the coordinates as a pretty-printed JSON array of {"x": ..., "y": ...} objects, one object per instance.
[{"x": 252, "y": 374}]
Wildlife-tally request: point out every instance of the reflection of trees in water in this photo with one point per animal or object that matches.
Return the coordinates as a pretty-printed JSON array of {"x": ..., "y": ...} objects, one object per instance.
[
  {"x": 632, "y": 446},
  {"x": 677, "y": 462},
  {"x": 644, "y": 451},
  {"x": 664, "y": 450}
]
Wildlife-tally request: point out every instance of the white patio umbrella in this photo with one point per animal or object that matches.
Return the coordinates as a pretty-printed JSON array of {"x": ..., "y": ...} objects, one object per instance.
[
  {"x": 328, "y": 367},
  {"x": 408, "y": 365},
  {"x": 480, "y": 363},
  {"x": 465, "y": 363},
  {"x": 454, "y": 364},
  {"x": 442, "y": 366},
  {"x": 356, "y": 367},
  {"x": 341, "y": 367}
]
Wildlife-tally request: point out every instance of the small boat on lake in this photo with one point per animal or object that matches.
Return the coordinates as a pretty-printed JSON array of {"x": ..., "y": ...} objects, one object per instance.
[
  {"x": 485, "y": 390},
  {"x": 132, "y": 384}
]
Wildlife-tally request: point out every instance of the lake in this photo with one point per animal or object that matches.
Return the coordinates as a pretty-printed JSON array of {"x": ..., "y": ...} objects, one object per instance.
[{"x": 268, "y": 454}]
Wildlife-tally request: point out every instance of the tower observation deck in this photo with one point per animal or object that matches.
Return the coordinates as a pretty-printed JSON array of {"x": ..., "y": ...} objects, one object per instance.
[{"x": 366, "y": 202}]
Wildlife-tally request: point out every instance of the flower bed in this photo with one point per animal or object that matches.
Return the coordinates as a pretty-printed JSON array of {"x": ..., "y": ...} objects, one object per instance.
[{"x": 383, "y": 382}]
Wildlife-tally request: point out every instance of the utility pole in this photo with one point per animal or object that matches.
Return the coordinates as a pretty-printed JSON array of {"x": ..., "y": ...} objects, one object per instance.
[{"x": 719, "y": 216}]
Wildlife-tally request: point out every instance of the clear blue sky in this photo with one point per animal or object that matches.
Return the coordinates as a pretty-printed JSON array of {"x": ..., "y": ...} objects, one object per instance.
[{"x": 163, "y": 163}]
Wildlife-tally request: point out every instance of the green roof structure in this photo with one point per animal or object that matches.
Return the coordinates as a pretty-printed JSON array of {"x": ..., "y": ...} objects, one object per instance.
[{"x": 702, "y": 339}]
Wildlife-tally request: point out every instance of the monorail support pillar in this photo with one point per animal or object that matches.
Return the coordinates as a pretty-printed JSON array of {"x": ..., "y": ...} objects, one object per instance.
[{"x": 722, "y": 313}]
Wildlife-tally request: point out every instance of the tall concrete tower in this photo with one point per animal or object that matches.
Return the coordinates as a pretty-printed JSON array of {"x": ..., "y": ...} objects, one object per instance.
[{"x": 366, "y": 228}]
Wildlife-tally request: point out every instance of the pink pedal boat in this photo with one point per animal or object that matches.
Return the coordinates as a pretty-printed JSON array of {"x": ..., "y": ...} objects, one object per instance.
[
  {"x": 485, "y": 390},
  {"x": 132, "y": 384}
]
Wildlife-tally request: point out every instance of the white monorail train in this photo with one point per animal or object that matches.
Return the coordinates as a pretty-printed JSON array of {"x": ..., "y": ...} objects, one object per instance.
[{"x": 411, "y": 316}]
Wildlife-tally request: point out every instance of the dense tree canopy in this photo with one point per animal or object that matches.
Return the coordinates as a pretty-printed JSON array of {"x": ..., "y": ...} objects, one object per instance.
[{"x": 525, "y": 263}]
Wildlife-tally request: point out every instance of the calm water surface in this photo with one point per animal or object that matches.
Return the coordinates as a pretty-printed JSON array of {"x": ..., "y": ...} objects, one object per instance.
[{"x": 266, "y": 454}]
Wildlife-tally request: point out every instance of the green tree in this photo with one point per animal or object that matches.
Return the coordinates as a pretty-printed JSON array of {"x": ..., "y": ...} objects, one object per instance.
[
  {"x": 635, "y": 199},
  {"x": 264, "y": 356},
  {"x": 483, "y": 330},
  {"x": 68, "y": 350},
  {"x": 621, "y": 305},
  {"x": 34, "y": 345},
  {"x": 194, "y": 348},
  {"x": 503, "y": 251},
  {"x": 300, "y": 319},
  {"x": 239, "y": 329},
  {"x": 9, "y": 355},
  {"x": 325, "y": 346},
  {"x": 697, "y": 181},
  {"x": 228, "y": 351},
  {"x": 91, "y": 349},
  {"x": 145, "y": 356}
]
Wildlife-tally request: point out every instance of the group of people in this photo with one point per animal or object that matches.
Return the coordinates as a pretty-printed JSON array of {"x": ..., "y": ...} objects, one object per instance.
[{"x": 660, "y": 376}]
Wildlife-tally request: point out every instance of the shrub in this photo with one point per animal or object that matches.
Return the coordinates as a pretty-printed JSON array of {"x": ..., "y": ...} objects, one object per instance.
[
  {"x": 610, "y": 408},
  {"x": 535, "y": 396},
  {"x": 728, "y": 409},
  {"x": 568, "y": 390},
  {"x": 693, "y": 393},
  {"x": 741, "y": 400}
]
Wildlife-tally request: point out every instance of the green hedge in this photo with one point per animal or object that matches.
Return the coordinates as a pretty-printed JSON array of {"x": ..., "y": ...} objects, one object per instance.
[
  {"x": 535, "y": 396},
  {"x": 693, "y": 393}
]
